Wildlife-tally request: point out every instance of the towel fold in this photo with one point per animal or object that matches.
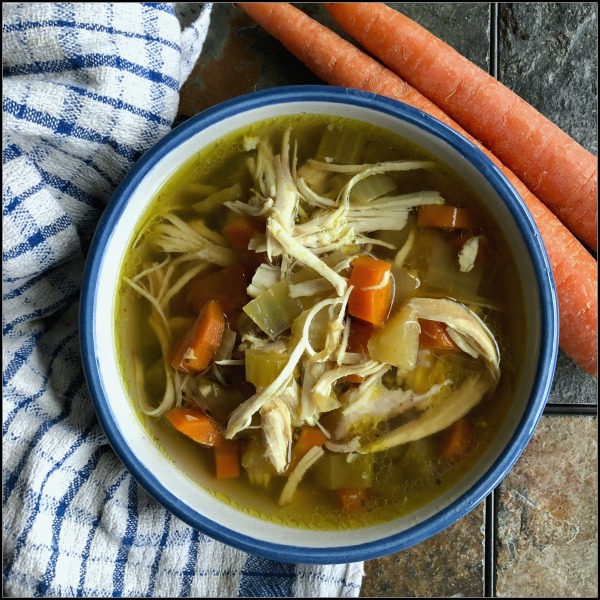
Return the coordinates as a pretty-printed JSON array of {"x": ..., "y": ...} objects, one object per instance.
[{"x": 87, "y": 89}]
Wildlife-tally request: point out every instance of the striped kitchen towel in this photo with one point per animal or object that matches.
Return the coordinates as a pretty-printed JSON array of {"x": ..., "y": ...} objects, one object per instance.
[{"x": 87, "y": 89}]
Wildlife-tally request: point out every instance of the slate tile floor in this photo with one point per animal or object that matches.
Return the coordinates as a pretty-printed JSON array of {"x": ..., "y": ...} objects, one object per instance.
[{"x": 536, "y": 535}]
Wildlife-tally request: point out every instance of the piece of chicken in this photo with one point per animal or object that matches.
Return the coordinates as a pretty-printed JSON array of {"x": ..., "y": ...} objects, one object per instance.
[{"x": 277, "y": 432}]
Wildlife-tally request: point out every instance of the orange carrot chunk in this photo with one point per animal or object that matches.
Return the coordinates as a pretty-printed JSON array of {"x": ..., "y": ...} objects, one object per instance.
[
  {"x": 195, "y": 424},
  {"x": 353, "y": 500},
  {"x": 309, "y": 438},
  {"x": 445, "y": 217},
  {"x": 455, "y": 441},
  {"x": 198, "y": 348},
  {"x": 337, "y": 62},
  {"x": 561, "y": 173},
  {"x": 434, "y": 336},
  {"x": 227, "y": 459},
  {"x": 372, "y": 294}
]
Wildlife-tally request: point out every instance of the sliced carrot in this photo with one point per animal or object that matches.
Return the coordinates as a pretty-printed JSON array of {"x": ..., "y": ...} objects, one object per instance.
[
  {"x": 353, "y": 500},
  {"x": 337, "y": 62},
  {"x": 373, "y": 292},
  {"x": 198, "y": 348},
  {"x": 434, "y": 336},
  {"x": 455, "y": 441},
  {"x": 445, "y": 217},
  {"x": 562, "y": 173},
  {"x": 227, "y": 459},
  {"x": 309, "y": 438},
  {"x": 195, "y": 424},
  {"x": 227, "y": 286}
]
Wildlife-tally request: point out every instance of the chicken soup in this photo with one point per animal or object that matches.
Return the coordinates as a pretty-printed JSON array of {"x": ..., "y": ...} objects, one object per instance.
[{"x": 318, "y": 322}]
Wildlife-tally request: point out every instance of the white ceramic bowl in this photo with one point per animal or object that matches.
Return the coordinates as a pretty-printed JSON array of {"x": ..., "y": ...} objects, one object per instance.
[{"x": 176, "y": 490}]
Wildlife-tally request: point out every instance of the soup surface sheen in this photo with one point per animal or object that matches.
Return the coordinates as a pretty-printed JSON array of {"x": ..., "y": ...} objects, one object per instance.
[{"x": 318, "y": 322}]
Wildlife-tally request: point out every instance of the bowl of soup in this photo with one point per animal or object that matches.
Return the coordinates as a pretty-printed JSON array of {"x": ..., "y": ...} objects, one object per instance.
[{"x": 317, "y": 324}]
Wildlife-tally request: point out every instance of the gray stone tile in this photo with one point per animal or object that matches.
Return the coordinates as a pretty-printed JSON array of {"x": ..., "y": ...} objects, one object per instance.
[
  {"x": 450, "y": 564},
  {"x": 547, "y": 520}
]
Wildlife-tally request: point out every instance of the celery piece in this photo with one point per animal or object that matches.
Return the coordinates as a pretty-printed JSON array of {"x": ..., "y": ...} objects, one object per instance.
[
  {"x": 334, "y": 472},
  {"x": 273, "y": 310},
  {"x": 259, "y": 469},
  {"x": 419, "y": 460},
  {"x": 406, "y": 284},
  {"x": 263, "y": 367},
  {"x": 307, "y": 273},
  {"x": 340, "y": 146},
  {"x": 397, "y": 343},
  {"x": 221, "y": 401},
  {"x": 317, "y": 179},
  {"x": 372, "y": 187},
  {"x": 317, "y": 332},
  {"x": 443, "y": 272}
]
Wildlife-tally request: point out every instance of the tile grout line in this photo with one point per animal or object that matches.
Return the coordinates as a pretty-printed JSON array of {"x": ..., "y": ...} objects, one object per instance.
[
  {"x": 489, "y": 567},
  {"x": 489, "y": 548},
  {"x": 494, "y": 51},
  {"x": 570, "y": 410}
]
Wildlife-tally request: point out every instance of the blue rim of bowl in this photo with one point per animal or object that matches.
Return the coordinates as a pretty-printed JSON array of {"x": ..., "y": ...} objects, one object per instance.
[{"x": 548, "y": 325}]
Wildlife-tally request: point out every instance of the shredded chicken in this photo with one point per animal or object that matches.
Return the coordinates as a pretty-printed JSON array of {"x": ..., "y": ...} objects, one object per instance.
[
  {"x": 277, "y": 432},
  {"x": 305, "y": 463},
  {"x": 463, "y": 324},
  {"x": 437, "y": 417}
]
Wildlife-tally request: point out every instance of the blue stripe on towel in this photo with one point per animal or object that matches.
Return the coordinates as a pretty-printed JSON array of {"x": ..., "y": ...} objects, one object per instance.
[
  {"x": 41, "y": 312},
  {"x": 42, "y": 235},
  {"x": 17, "y": 199},
  {"x": 32, "y": 397},
  {"x": 91, "y": 27},
  {"x": 45, "y": 585},
  {"x": 11, "y": 478},
  {"x": 127, "y": 540},
  {"x": 85, "y": 555},
  {"x": 159, "y": 551},
  {"x": 189, "y": 570},
  {"x": 265, "y": 578},
  {"x": 92, "y": 61},
  {"x": 63, "y": 127},
  {"x": 22, "y": 540}
]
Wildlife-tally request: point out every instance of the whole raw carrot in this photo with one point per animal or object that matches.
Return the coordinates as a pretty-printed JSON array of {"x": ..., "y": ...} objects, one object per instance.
[
  {"x": 337, "y": 62},
  {"x": 558, "y": 170}
]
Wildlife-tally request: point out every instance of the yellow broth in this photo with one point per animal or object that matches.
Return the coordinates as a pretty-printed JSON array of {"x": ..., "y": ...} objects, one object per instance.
[{"x": 403, "y": 478}]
